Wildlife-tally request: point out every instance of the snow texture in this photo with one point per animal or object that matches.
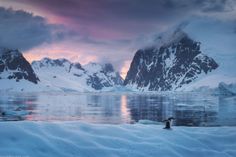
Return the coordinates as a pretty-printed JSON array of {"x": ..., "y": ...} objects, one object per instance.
[{"x": 38, "y": 139}]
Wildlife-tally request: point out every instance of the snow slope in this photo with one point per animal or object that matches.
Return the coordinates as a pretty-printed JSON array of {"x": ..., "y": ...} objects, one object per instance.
[
  {"x": 212, "y": 80},
  {"x": 7, "y": 85}
]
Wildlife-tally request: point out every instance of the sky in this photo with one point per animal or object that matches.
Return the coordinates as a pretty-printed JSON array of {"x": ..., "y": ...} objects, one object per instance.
[{"x": 113, "y": 30}]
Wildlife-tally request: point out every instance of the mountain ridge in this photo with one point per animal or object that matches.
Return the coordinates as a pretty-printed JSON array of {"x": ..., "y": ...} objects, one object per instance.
[
  {"x": 92, "y": 76},
  {"x": 54, "y": 74},
  {"x": 168, "y": 67},
  {"x": 14, "y": 66}
]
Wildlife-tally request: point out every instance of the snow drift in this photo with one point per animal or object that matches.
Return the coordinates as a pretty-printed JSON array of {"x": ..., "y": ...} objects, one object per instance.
[{"x": 70, "y": 139}]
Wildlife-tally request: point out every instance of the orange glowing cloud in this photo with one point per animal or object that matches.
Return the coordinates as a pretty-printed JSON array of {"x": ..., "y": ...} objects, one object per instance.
[
  {"x": 55, "y": 51},
  {"x": 125, "y": 68}
]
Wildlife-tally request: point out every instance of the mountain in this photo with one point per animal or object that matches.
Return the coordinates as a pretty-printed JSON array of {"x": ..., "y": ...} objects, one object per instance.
[
  {"x": 171, "y": 65},
  {"x": 13, "y": 66},
  {"x": 100, "y": 76},
  {"x": 17, "y": 74},
  {"x": 69, "y": 76},
  {"x": 227, "y": 89},
  {"x": 223, "y": 89}
]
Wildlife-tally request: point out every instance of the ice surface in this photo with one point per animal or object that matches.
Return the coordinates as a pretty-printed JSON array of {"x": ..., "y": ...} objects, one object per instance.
[{"x": 78, "y": 139}]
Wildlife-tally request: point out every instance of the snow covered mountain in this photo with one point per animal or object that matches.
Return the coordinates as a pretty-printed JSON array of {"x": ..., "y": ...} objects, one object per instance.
[
  {"x": 16, "y": 74},
  {"x": 227, "y": 89},
  {"x": 68, "y": 76},
  {"x": 13, "y": 66},
  {"x": 169, "y": 65}
]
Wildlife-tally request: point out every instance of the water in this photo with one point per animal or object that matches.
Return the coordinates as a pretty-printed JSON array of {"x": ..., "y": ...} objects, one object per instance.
[{"x": 188, "y": 109}]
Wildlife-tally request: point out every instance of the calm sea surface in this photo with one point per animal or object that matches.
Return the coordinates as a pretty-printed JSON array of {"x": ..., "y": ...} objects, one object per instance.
[{"x": 188, "y": 109}]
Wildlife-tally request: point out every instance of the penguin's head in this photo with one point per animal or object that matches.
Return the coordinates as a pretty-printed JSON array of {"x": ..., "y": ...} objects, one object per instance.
[{"x": 171, "y": 118}]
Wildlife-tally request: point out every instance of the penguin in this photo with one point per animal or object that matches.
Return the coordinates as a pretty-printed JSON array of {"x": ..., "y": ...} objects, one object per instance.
[{"x": 168, "y": 123}]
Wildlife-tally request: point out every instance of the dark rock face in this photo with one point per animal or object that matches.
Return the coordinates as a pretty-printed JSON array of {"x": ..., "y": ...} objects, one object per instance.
[
  {"x": 108, "y": 68},
  {"x": 118, "y": 80},
  {"x": 169, "y": 67},
  {"x": 97, "y": 83},
  {"x": 78, "y": 66},
  {"x": 47, "y": 62},
  {"x": 113, "y": 75},
  {"x": 14, "y": 66}
]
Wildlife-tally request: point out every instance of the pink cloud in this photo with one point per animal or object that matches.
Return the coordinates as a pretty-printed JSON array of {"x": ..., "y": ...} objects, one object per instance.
[{"x": 56, "y": 51}]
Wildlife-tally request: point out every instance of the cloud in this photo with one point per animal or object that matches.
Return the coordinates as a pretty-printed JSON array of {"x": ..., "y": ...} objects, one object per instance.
[
  {"x": 112, "y": 30},
  {"x": 122, "y": 19},
  {"x": 22, "y": 30},
  {"x": 218, "y": 6}
]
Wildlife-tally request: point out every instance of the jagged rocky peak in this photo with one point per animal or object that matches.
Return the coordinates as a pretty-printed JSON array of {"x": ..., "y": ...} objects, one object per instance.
[
  {"x": 115, "y": 76},
  {"x": 13, "y": 65},
  {"x": 170, "y": 66},
  {"x": 5, "y": 52},
  {"x": 78, "y": 66},
  {"x": 108, "y": 67},
  {"x": 52, "y": 63},
  {"x": 45, "y": 62}
]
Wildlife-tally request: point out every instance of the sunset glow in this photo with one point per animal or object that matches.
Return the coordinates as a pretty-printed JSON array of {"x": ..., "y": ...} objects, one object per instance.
[
  {"x": 104, "y": 32},
  {"x": 125, "y": 69},
  {"x": 117, "y": 78}
]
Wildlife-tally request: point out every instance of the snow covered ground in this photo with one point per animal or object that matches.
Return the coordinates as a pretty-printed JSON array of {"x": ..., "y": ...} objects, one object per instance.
[{"x": 77, "y": 139}]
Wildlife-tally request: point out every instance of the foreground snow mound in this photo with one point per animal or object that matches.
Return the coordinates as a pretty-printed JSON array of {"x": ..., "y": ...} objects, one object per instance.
[{"x": 69, "y": 139}]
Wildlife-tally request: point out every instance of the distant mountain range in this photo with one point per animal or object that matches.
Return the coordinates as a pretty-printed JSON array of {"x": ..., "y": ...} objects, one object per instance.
[
  {"x": 16, "y": 74},
  {"x": 172, "y": 64},
  {"x": 73, "y": 76}
]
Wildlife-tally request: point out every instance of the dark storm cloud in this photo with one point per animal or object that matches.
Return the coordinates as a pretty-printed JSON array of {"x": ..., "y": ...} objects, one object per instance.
[
  {"x": 122, "y": 17},
  {"x": 132, "y": 9},
  {"x": 115, "y": 29},
  {"x": 22, "y": 30}
]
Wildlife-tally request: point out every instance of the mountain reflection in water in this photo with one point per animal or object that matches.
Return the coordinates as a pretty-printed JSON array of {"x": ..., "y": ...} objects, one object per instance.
[{"x": 189, "y": 109}]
